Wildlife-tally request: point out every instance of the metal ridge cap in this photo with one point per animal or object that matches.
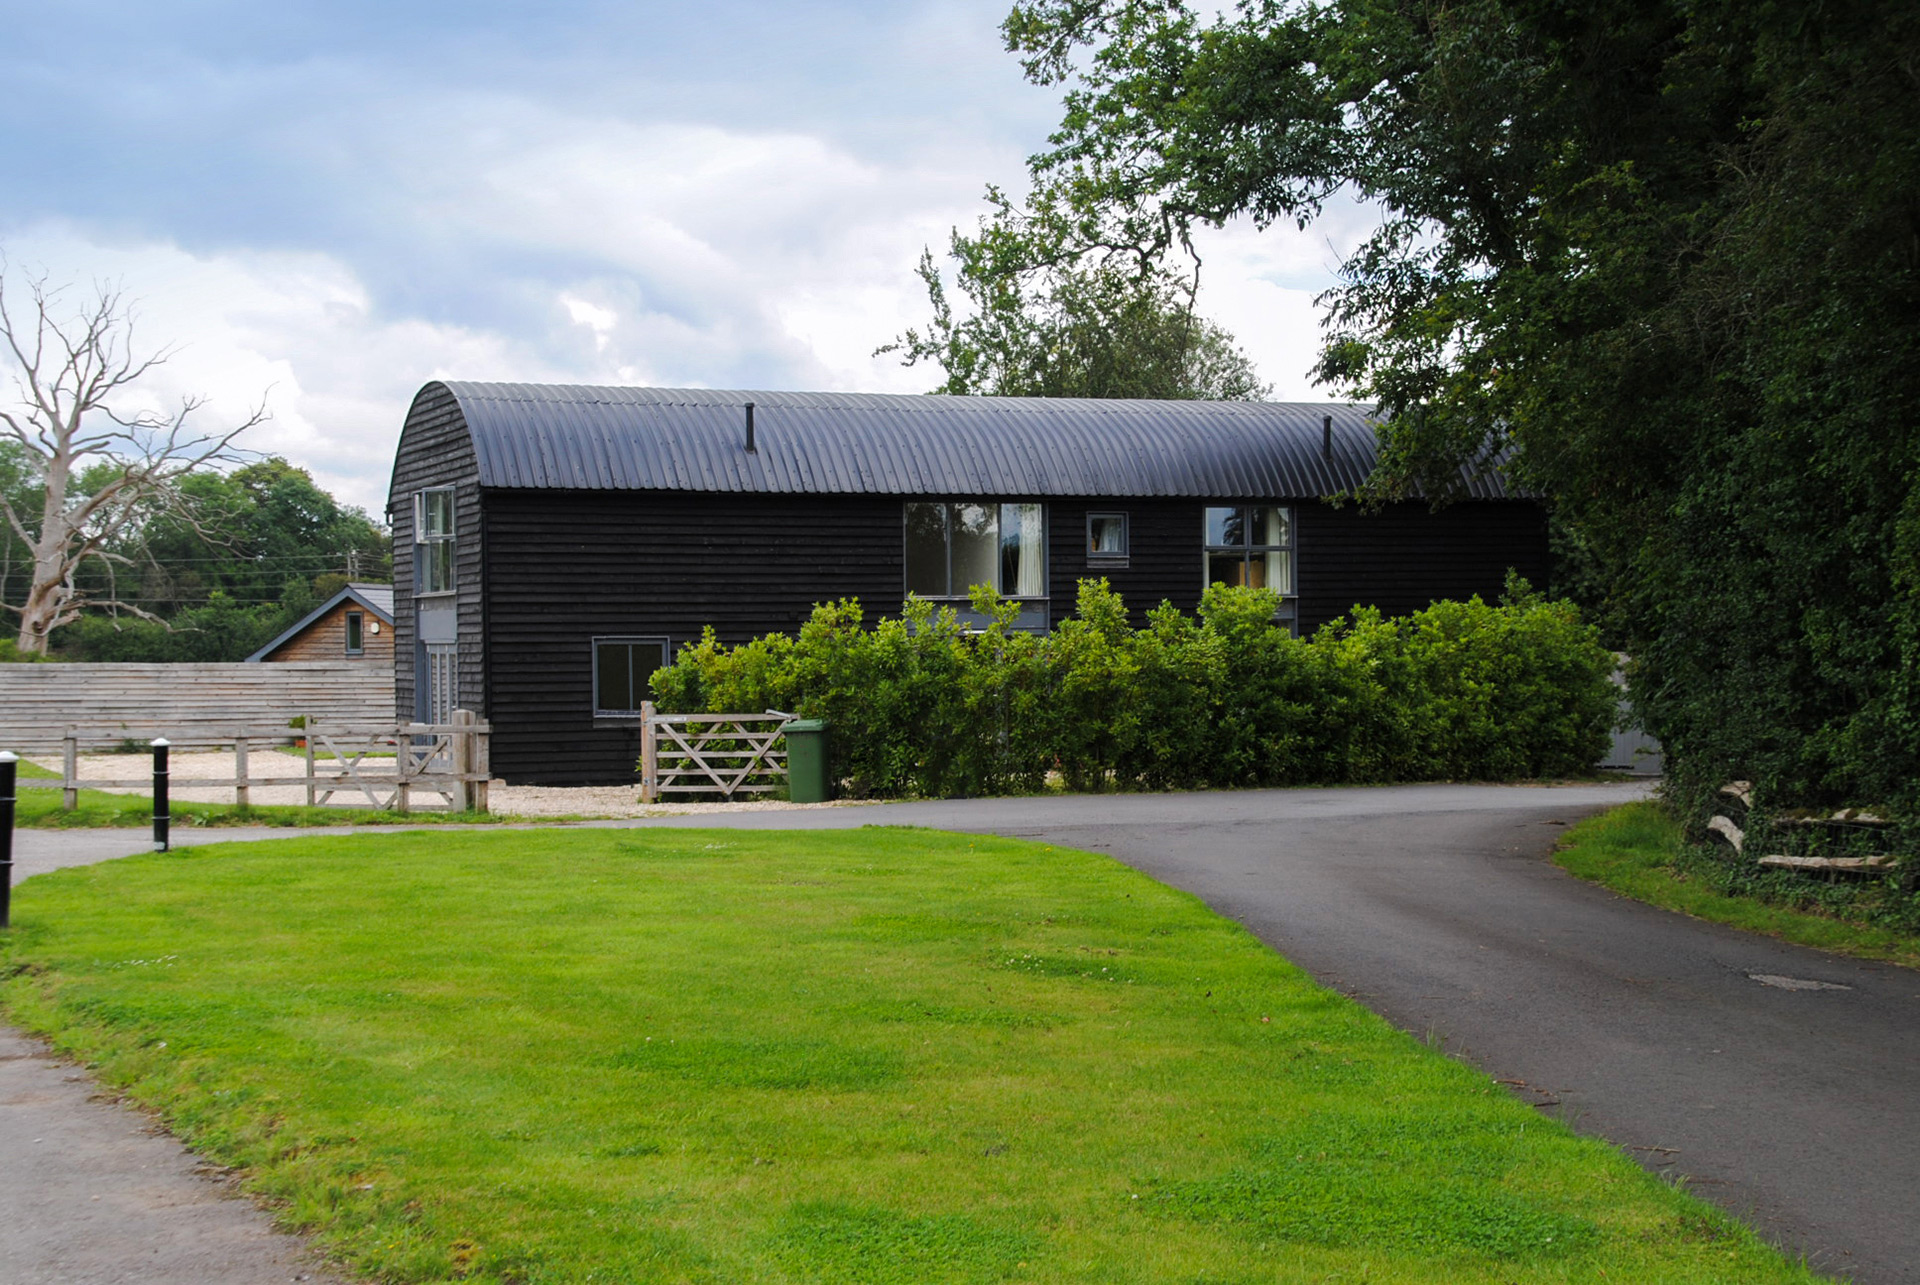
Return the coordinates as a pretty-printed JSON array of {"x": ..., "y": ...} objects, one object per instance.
[{"x": 593, "y": 394}]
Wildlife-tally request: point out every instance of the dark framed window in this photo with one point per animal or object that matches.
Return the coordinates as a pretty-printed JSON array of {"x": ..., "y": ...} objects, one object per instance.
[
  {"x": 953, "y": 546},
  {"x": 433, "y": 540},
  {"x": 622, "y": 668},
  {"x": 356, "y": 630},
  {"x": 1107, "y": 544},
  {"x": 1252, "y": 545}
]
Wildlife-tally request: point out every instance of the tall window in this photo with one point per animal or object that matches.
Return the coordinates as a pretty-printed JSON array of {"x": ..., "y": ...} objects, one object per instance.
[
  {"x": 622, "y": 669},
  {"x": 953, "y": 547},
  {"x": 356, "y": 640},
  {"x": 1252, "y": 544},
  {"x": 433, "y": 540}
]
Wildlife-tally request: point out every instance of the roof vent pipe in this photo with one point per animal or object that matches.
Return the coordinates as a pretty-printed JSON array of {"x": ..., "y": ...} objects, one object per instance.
[
  {"x": 751, "y": 448},
  {"x": 1326, "y": 435}
]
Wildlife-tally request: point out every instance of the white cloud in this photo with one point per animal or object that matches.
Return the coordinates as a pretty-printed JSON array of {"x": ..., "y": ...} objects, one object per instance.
[
  {"x": 293, "y": 330},
  {"x": 609, "y": 253},
  {"x": 1261, "y": 285},
  {"x": 521, "y": 243}
]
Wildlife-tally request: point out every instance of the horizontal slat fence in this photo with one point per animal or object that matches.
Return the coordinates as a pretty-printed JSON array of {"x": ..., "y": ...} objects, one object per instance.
[
  {"x": 383, "y": 767},
  {"x": 195, "y": 706}
]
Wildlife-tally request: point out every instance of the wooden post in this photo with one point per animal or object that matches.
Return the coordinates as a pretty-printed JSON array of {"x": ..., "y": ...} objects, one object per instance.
[
  {"x": 649, "y": 756},
  {"x": 402, "y": 771},
  {"x": 483, "y": 768},
  {"x": 306, "y": 725},
  {"x": 242, "y": 793},
  {"x": 463, "y": 759},
  {"x": 70, "y": 769}
]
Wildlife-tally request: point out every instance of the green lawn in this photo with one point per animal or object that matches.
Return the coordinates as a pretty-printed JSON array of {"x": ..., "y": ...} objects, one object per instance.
[
  {"x": 887, "y": 1055},
  {"x": 1637, "y": 850}
]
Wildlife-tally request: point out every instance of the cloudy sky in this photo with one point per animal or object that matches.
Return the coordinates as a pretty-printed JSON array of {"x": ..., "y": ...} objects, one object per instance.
[{"x": 327, "y": 204}]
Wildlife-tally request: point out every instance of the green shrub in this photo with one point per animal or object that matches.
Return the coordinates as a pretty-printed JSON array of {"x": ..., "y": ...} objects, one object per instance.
[
  {"x": 10, "y": 654},
  {"x": 920, "y": 705}
]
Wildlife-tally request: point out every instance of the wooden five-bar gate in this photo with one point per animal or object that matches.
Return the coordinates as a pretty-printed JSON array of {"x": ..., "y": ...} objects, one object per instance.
[{"x": 724, "y": 754}]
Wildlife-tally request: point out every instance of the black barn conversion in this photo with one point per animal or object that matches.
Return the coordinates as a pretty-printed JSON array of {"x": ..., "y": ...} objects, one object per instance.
[{"x": 552, "y": 544}]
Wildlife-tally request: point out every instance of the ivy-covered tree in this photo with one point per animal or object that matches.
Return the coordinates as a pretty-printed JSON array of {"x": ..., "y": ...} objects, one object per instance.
[{"x": 1662, "y": 254}]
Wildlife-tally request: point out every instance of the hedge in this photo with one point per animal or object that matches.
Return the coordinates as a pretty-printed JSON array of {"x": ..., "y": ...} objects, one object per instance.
[{"x": 921, "y": 706}]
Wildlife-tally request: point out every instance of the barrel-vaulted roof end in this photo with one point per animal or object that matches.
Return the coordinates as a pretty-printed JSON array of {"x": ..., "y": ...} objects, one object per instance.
[{"x": 554, "y": 436}]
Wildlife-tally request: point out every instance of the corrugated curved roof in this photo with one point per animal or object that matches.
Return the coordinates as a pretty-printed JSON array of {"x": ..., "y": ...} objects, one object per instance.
[{"x": 681, "y": 439}]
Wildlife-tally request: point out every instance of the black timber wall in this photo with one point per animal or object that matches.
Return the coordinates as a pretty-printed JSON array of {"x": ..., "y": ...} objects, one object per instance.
[
  {"x": 1165, "y": 561},
  {"x": 1405, "y": 556},
  {"x": 436, "y": 450},
  {"x": 565, "y": 566},
  {"x": 1398, "y": 558}
]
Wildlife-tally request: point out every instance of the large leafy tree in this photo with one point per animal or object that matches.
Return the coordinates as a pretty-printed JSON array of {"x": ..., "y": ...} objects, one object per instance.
[
  {"x": 1106, "y": 328},
  {"x": 253, "y": 531},
  {"x": 1662, "y": 254}
]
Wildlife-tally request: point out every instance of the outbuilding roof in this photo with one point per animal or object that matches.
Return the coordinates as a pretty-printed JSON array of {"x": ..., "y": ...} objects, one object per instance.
[
  {"x": 682, "y": 439},
  {"x": 377, "y": 598}
]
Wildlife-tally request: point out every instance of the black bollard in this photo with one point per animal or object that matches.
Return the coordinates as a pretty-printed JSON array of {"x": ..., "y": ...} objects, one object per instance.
[
  {"x": 8, "y": 769},
  {"x": 160, "y": 817}
]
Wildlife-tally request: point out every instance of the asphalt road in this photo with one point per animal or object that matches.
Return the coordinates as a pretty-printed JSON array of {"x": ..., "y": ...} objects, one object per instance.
[
  {"x": 1794, "y": 1105},
  {"x": 91, "y": 1193}
]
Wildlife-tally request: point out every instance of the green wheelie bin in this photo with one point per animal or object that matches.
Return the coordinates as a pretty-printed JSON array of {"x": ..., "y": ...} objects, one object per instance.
[{"x": 807, "y": 779}]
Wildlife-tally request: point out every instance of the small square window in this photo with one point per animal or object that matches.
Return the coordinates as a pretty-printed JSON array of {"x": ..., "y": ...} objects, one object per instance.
[
  {"x": 622, "y": 670},
  {"x": 1107, "y": 539}
]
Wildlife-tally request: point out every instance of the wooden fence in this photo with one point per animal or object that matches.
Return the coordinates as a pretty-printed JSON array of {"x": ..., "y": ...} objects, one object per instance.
[
  {"x": 724, "y": 754},
  {"x": 195, "y": 706},
  {"x": 387, "y": 765}
]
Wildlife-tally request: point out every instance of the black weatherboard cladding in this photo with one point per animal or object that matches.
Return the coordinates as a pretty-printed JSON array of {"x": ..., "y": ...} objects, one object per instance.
[
  {"x": 567, "y": 566},
  {"x": 1402, "y": 557},
  {"x": 584, "y": 512},
  {"x": 436, "y": 450}
]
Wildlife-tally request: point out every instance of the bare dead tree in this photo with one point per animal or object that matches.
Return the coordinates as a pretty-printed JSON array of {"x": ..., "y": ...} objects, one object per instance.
[{"x": 101, "y": 466}]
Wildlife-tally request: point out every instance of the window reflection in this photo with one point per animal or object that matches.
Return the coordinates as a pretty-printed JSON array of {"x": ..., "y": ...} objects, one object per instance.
[
  {"x": 1251, "y": 545},
  {"x": 953, "y": 547}
]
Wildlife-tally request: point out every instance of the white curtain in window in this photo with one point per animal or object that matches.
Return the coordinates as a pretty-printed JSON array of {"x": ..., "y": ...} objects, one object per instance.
[{"x": 1031, "y": 576}]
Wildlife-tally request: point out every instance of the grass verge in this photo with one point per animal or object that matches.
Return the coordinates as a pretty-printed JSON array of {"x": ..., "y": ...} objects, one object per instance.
[
  {"x": 1638, "y": 850},
  {"x": 876, "y": 1056},
  {"x": 39, "y": 807}
]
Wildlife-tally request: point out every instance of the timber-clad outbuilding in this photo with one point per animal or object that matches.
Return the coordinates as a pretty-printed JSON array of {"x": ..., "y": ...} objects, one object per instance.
[{"x": 553, "y": 544}]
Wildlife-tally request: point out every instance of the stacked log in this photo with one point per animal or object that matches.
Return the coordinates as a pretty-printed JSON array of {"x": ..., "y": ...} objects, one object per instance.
[{"x": 1734, "y": 819}]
